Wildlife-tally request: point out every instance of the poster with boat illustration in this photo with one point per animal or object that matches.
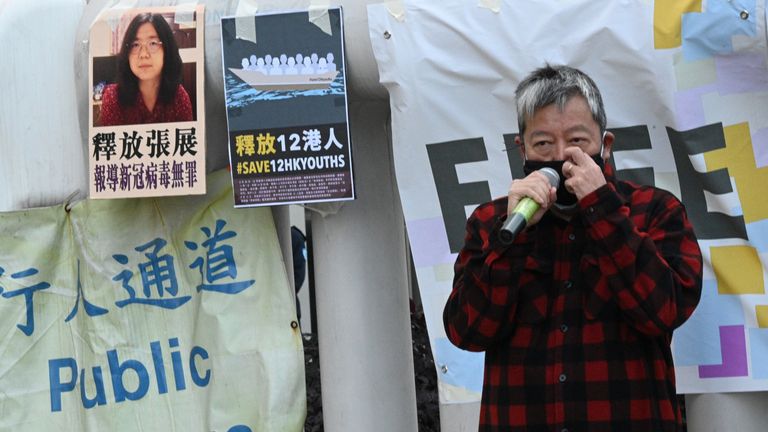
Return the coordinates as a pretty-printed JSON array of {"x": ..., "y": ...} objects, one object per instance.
[{"x": 285, "y": 84}]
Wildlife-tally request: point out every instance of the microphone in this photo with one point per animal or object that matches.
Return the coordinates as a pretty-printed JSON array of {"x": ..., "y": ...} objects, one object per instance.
[{"x": 524, "y": 210}]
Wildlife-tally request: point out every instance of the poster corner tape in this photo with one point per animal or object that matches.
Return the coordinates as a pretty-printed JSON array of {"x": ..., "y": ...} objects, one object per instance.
[
  {"x": 493, "y": 5},
  {"x": 245, "y": 27},
  {"x": 246, "y": 8},
  {"x": 396, "y": 8},
  {"x": 185, "y": 12},
  {"x": 318, "y": 15}
]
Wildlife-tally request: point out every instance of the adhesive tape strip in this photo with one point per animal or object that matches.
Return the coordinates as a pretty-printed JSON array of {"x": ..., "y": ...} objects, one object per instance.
[
  {"x": 318, "y": 15},
  {"x": 246, "y": 8},
  {"x": 493, "y": 5},
  {"x": 396, "y": 8},
  {"x": 185, "y": 12}
]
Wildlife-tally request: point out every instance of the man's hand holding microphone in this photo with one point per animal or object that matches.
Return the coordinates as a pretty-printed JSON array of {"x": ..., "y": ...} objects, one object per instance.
[
  {"x": 529, "y": 199},
  {"x": 532, "y": 196}
]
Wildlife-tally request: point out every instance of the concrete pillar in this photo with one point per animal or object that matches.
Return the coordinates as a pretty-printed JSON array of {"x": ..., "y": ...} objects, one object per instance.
[
  {"x": 41, "y": 155},
  {"x": 366, "y": 357},
  {"x": 715, "y": 412},
  {"x": 459, "y": 417}
]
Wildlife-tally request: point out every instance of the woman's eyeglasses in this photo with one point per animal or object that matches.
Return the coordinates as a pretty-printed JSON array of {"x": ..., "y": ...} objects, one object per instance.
[{"x": 152, "y": 46}]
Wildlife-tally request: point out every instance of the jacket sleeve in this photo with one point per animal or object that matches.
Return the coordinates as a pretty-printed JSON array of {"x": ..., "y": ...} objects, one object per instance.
[
  {"x": 481, "y": 306},
  {"x": 648, "y": 256}
]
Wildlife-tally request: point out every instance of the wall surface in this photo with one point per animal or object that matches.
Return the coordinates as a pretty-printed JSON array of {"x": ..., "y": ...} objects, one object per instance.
[{"x": 42, "y": 161}]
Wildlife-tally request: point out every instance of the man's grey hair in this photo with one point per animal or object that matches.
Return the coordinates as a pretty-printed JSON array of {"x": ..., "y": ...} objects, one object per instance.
[{"x": 556, "y": 85}]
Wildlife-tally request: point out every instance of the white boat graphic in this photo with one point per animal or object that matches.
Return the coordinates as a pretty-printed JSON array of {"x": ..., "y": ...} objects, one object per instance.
[{"x": 262, "y": 81}]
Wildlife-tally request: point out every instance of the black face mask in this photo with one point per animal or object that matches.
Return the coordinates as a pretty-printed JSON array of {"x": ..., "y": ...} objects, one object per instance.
[{"x": 564, "y": 198}]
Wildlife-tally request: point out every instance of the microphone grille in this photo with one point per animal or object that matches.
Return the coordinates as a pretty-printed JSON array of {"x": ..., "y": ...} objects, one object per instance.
[{"x": 552, "y": 175}]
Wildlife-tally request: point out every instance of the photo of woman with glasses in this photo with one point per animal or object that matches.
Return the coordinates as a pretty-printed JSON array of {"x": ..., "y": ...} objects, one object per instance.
[{"x": 148, "y": 87}]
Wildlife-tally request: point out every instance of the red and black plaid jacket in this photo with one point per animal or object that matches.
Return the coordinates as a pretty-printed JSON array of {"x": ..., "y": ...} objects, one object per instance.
[{"x": 576, "y": 318}]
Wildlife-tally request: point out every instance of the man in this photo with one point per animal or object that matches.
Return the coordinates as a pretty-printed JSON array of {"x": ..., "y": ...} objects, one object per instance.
[{"x": 576, "y": 314}]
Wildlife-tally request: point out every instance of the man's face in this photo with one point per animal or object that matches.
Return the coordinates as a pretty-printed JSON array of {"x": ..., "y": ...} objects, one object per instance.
[{"x": 550, "y": 131}]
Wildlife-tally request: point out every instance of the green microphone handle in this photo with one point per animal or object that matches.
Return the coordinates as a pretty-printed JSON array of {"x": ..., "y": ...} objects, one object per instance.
[{"x": 524, "y": 211}]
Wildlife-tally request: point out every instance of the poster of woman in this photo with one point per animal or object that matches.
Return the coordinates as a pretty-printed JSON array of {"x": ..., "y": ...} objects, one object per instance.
[{"x": 147, "y": 131}]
